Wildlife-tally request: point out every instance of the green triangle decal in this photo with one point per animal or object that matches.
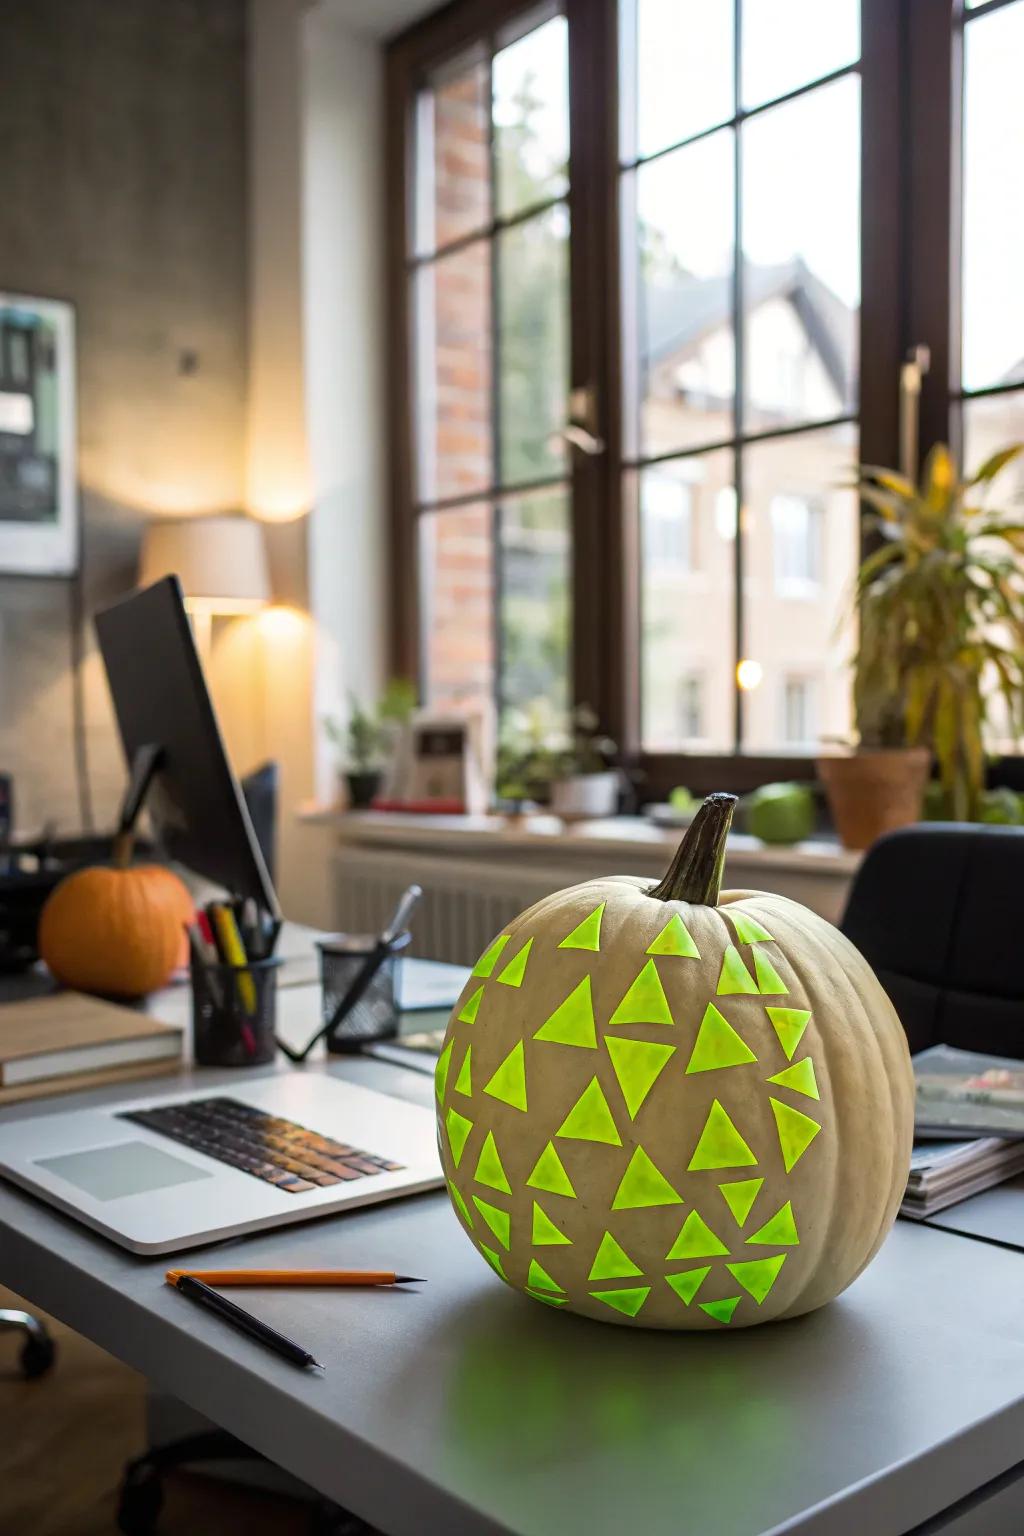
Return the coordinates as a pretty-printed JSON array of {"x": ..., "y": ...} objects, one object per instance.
[
  {"x": 645, "y": 1002},
  {"x": 488, "y": 1167},
  {"x": 512, "y": 975},
  {"x": 494, "y": 1261},
  {"x": 721, "y": 1311},
  {"x": 789, "y": 1024},
  {"x": 612, "y": 1262},
  {"x": 458, "y": 1128},
  {"x": 695, "y": 1240},
  {"x": 674, "y": 939},
  {"x": 739, "y": 1196},
  {"x": 545, "y": 1233},
  {"x": 628, "y": 1302},
  {"x": 572, "y": 1022},
  {"x": 444, "y": 1061},
  {"x": 548, "y": 1174},
  {"x": 720, "y": 1144},
  {"x": 590, "y": 1119},
  {"x": 748, "y": 929},
  {"x": 460, "y": 1205},
  {"x": 509, "y": 1082},
  {"x": 734, "y": 977},
  {"x": 768, "y": 979},
  {"x": 464, "y": 1081},
  {"x": 779, "y": 1230},
  {"x": 552, "y": 1300},
  {"x": 717, "y": 1044},
  {"x": 643, "y": 1184},
  {"x": 539, "y": 1280},
  {"x": 586, "y": 935},
  {"x": 472, "y": 1008},
  {"x": 688, "y": 1282},
  {"x": 800, "y": 1077},
  {"x": 796, "y": 1132},
  {"x": 489, "y": 959},
  {"x": 637, "y": 1064},
  {"x": 500, "y": 1222},
  {"x": 757, "y": 1276}
]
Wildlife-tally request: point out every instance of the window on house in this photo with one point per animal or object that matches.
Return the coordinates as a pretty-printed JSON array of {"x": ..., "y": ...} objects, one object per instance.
[
  {"x": 488, "y": 286},
  {"x": 704, "y": 314}
]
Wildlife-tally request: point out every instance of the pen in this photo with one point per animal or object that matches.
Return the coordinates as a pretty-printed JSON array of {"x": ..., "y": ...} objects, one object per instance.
[
  {"x": 197, "y": 1290},
  {"x": 292, "y": 1277}
]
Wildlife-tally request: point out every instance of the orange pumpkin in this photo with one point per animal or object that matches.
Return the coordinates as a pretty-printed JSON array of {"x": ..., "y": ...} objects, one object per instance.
[{"x": 118, "y": 932}]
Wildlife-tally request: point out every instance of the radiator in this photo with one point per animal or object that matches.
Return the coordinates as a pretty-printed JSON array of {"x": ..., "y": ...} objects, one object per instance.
[{"x": 465, "y": 902}]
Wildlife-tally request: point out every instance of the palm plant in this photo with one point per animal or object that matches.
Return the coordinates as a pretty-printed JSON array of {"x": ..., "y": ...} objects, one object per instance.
[{"x": 941, "y": 604}]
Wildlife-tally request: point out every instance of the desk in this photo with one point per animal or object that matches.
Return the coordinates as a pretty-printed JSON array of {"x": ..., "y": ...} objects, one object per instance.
[{"x": 464, "y": 1410}]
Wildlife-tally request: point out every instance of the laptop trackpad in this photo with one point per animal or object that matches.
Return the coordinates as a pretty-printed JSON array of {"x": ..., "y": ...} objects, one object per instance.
[{"x": 127, "y": 1168}]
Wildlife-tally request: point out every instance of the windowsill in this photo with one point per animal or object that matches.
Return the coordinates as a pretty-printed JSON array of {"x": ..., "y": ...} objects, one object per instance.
[{"x": 521, "y": 836}]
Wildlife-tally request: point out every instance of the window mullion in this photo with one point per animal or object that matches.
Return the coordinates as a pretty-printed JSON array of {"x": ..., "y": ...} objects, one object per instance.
[{"x": 739, "y": 376}]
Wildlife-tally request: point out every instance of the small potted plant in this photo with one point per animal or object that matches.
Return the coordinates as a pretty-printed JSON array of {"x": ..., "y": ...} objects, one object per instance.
[
  {"x": 585, "y": 785},
  {"x": 941, "y": 610},
  {"x": 360, "y": 747}
]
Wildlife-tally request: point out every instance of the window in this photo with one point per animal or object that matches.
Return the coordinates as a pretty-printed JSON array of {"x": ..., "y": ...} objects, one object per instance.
[
  {"x": 488, "y": 284},
  {"x": 772, "y": 202}
]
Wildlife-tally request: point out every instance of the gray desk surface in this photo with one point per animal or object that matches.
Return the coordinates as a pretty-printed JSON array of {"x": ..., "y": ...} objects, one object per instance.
[
  {"x": 464, "y": 1408},
  {"x": 996, "y": 1215}
]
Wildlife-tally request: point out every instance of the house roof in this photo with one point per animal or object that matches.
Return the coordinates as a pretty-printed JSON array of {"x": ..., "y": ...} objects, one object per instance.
[{"x": 679, "y": 314}]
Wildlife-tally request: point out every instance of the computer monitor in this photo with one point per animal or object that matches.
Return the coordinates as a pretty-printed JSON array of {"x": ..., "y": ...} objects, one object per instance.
[{"x": 161, "y": 700}]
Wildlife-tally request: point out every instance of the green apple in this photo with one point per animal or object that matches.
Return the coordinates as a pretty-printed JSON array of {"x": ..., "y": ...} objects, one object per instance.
[{"x": 780, "y": 813}]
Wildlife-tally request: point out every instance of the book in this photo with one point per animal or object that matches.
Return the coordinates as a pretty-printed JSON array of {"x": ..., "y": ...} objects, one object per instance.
[
  {"x": 965, "y": 1093},
  {"x": 427, "y": 991},
  {"x": 945, "y": 1172},
  {"x": 68, "y": 1038}
]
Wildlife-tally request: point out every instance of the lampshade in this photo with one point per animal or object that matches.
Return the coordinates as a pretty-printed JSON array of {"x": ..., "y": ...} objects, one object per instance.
[{"x": 220, "y": 561}]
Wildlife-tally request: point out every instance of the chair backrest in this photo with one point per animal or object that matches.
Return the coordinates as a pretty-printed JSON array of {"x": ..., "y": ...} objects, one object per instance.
[
  {"x": 938, "y": 912},
  {"x": 260, "y": 791}
]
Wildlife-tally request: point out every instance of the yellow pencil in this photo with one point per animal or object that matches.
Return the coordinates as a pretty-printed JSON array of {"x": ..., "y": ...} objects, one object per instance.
[{"x": 233, "y": 951}]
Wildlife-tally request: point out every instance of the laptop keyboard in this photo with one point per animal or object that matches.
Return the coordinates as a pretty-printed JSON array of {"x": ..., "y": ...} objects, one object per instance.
[{"x": 278, "y": 1151}]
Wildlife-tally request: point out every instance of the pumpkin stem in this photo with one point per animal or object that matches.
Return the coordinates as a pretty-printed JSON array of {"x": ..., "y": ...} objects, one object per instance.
[
  {"x": 121, "y": 855},
  {"x": 695, "y": 874}
]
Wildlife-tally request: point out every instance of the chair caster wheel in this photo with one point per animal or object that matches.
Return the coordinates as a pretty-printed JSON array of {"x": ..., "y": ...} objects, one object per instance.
[
  {"x": 37, "y": 1356},
  {"x": 142, "y": 1498}
]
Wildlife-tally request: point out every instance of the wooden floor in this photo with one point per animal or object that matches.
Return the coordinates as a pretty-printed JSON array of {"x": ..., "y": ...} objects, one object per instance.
[{"x": 65, "y": 1437}]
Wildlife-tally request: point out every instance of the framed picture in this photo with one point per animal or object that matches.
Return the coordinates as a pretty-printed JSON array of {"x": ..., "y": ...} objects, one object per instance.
[{"x": 38, "y": 479}]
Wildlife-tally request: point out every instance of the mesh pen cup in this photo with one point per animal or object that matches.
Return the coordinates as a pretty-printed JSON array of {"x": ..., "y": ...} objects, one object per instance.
[
  {"x": 234, "y": 1011},
  {"x": 374, "y": 1014}
]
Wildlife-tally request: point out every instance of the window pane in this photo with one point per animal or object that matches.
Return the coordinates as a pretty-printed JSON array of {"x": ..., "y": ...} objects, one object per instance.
[
  {"x": 801, "y": 226},
  {"x": 533, "y": 280},
  {"x": 535, "y": 600},
  {"x": 993, "y": 217},
  {"x": 453, "y": 297},
  {"x": 531, "y": 117},
  {"x": 789, "y": 43},
  {"x": 800, "y": 556},
  {"x": 680, "y": 367},
  {"x": 683, "y": 76},
  {"x": 453, "y": 158},
  {"x": 687, "y": 512},
  {"x": 992, "y": 423},
  {"x": 457, "y": 606}
]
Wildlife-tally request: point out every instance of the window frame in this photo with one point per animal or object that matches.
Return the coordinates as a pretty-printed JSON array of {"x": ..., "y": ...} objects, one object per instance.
[{"x": 910, "y": 69}]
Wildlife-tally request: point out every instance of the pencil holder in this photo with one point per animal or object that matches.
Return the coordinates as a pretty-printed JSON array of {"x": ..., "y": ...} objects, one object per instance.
[
  {"x": 234, "y": 1010},
  {"x": 374, "y": 1013}
]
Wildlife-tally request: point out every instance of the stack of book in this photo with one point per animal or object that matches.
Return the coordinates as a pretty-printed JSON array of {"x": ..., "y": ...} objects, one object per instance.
[
  {"x": 968, "y": 1125},
  {"x": 68, "y": 1041}
]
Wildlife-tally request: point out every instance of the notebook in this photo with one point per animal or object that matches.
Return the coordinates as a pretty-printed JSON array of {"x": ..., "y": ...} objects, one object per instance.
[{"x": 67, "y": 1040}]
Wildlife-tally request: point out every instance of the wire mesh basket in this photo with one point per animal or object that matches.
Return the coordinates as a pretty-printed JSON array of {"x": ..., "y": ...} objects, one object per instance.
[
  {"x": 373, "y": 1015},
  {"x": 234, "y": 1011}
]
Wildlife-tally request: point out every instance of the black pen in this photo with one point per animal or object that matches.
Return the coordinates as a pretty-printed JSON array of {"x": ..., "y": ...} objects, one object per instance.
[{"x": 206, "y": 1296}]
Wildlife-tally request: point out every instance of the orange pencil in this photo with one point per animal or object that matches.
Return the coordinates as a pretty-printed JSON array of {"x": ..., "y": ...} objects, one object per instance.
[{"x": 293, "y": 1277}]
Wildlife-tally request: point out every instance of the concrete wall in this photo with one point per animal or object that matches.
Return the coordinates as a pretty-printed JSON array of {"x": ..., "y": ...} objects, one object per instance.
[{"x": 124, "y": 190}]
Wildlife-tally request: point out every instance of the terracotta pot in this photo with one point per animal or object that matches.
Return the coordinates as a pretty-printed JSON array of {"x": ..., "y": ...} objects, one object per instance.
[{"x": 870, "y": 793}]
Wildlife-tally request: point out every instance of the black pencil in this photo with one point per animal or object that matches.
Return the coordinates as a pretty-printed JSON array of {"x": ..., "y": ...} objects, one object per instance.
[{"x": 244, "y": 1321}]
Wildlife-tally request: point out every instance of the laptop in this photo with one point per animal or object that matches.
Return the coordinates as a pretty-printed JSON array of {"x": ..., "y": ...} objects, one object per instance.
[{"x": 170, "y": 1171}]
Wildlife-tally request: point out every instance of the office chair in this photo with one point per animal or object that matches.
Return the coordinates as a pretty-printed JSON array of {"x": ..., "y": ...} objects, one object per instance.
[
  {"x": 38, "y": 1351},
  {"x": 936, "y": 911}
]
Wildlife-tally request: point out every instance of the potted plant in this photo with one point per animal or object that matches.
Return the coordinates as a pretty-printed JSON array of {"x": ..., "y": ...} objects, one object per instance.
[
  {"x": 585, "y": 786},
  {"x": 941, "y": 607},
  {"x": 368, "y": 738}
]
